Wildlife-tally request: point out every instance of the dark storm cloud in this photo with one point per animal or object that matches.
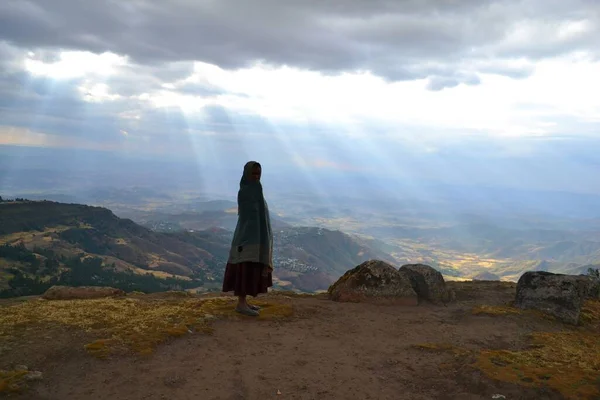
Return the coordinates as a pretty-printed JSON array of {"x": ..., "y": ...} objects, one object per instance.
[{"x": 394, "y": 39}]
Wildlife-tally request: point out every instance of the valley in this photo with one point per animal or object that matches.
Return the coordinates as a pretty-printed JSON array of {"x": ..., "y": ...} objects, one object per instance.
[
  {"x": 36, "y": 233},
  {"x": 185, "y": 235}
]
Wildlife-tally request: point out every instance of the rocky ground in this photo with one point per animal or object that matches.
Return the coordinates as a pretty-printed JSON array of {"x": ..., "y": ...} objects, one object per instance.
[{"x": 172, "y": 346}]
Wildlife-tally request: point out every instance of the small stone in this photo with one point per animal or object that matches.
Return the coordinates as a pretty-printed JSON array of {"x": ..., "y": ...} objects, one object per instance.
[
  {"x": 278, "y": 392},
  {"x": 209, "y": 316},
  {"x": 34, "y": 376},
  {"x": 21, "y": 368}
]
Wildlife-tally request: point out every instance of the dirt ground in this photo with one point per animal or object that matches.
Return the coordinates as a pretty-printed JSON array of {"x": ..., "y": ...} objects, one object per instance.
[{"x": 327, "y": 350}]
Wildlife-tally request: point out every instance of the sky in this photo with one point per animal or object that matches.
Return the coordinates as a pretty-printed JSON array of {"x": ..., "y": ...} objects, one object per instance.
[{"x": 497, "y": 92}]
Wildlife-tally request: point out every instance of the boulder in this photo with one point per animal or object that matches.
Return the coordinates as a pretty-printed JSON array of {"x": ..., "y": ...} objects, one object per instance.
[
  {"x": 373, "y": 281},
  {"x": 556, "y": 294},
  {"x": 428, "y": 283},
  {"x": 592, "y": 285},
  {"x": 81, "y": 292}
]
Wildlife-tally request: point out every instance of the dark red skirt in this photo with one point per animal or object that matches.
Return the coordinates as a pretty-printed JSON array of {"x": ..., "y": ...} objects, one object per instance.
[{"x": 246, "y": 279}]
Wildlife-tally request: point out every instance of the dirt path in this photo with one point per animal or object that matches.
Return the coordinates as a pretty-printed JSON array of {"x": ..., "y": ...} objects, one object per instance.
[{"x": 327, "y": 351}]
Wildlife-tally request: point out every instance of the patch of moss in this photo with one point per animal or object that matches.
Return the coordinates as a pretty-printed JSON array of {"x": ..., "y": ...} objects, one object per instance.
[
  {"x": 138, "y": 324},
  {"x": 178, "y": 330},
  {"x": 100, "y": 348},
  {"x": 567, "y": 361},
  {"x": 510, "y": 310},
  {"x": 12, "y": 381},
  {"x": 590, "y": 312},
  {"x": 495, "y": 310}
]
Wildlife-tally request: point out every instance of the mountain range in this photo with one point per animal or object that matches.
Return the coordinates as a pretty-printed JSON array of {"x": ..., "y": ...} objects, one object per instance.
[{"x": 36, "y": 234}]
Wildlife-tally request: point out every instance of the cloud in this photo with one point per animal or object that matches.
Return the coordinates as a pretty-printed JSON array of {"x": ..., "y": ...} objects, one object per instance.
[
  {"x": 438, "y": 83},
  {"x": 267, "y": 103},
  {"x": 395, "y": 40},
  {"x": 332, "y": 84}
]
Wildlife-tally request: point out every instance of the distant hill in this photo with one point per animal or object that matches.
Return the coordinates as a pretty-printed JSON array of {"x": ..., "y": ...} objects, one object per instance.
[
  {"x": 34, "y": 234},
  {"x": 486, "y": 276},
  {"x": 70, "y": 229},
  {"x": 313, "y": 258},
  {"x": 306, "y": 258},
  {"x": 196, "y": 220},
  {"x": 504, "y": 252},
  {"x": 43, "y": 242}
]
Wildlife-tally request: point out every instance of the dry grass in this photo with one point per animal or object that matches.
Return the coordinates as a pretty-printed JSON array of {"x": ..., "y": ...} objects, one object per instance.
[
  {"x": 29, "y": 236},
  {"x": 158, "y": 274},
  {"x": 590, "y": 313},
  {"x": 567, "y": 361},
  {"x": 136, "y": 323},
  {"x": 12, "y": 381}
]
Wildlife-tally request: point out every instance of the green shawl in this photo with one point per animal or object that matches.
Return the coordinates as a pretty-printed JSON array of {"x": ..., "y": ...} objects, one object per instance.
[{"x": 253, "y": 238}]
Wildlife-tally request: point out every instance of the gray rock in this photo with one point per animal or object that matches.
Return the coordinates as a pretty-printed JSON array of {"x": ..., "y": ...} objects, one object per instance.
[
  {"x": 373, "y": 281},
  {"x": 428, "y": 283},
  {"x": 34, "y": 376},
  {"x": 556, "y": 294},
  {"x": 592, "y": 287}
]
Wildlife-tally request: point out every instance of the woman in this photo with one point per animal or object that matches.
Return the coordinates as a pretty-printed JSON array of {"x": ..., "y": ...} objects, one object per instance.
[{"x": 250, "y": 265}]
